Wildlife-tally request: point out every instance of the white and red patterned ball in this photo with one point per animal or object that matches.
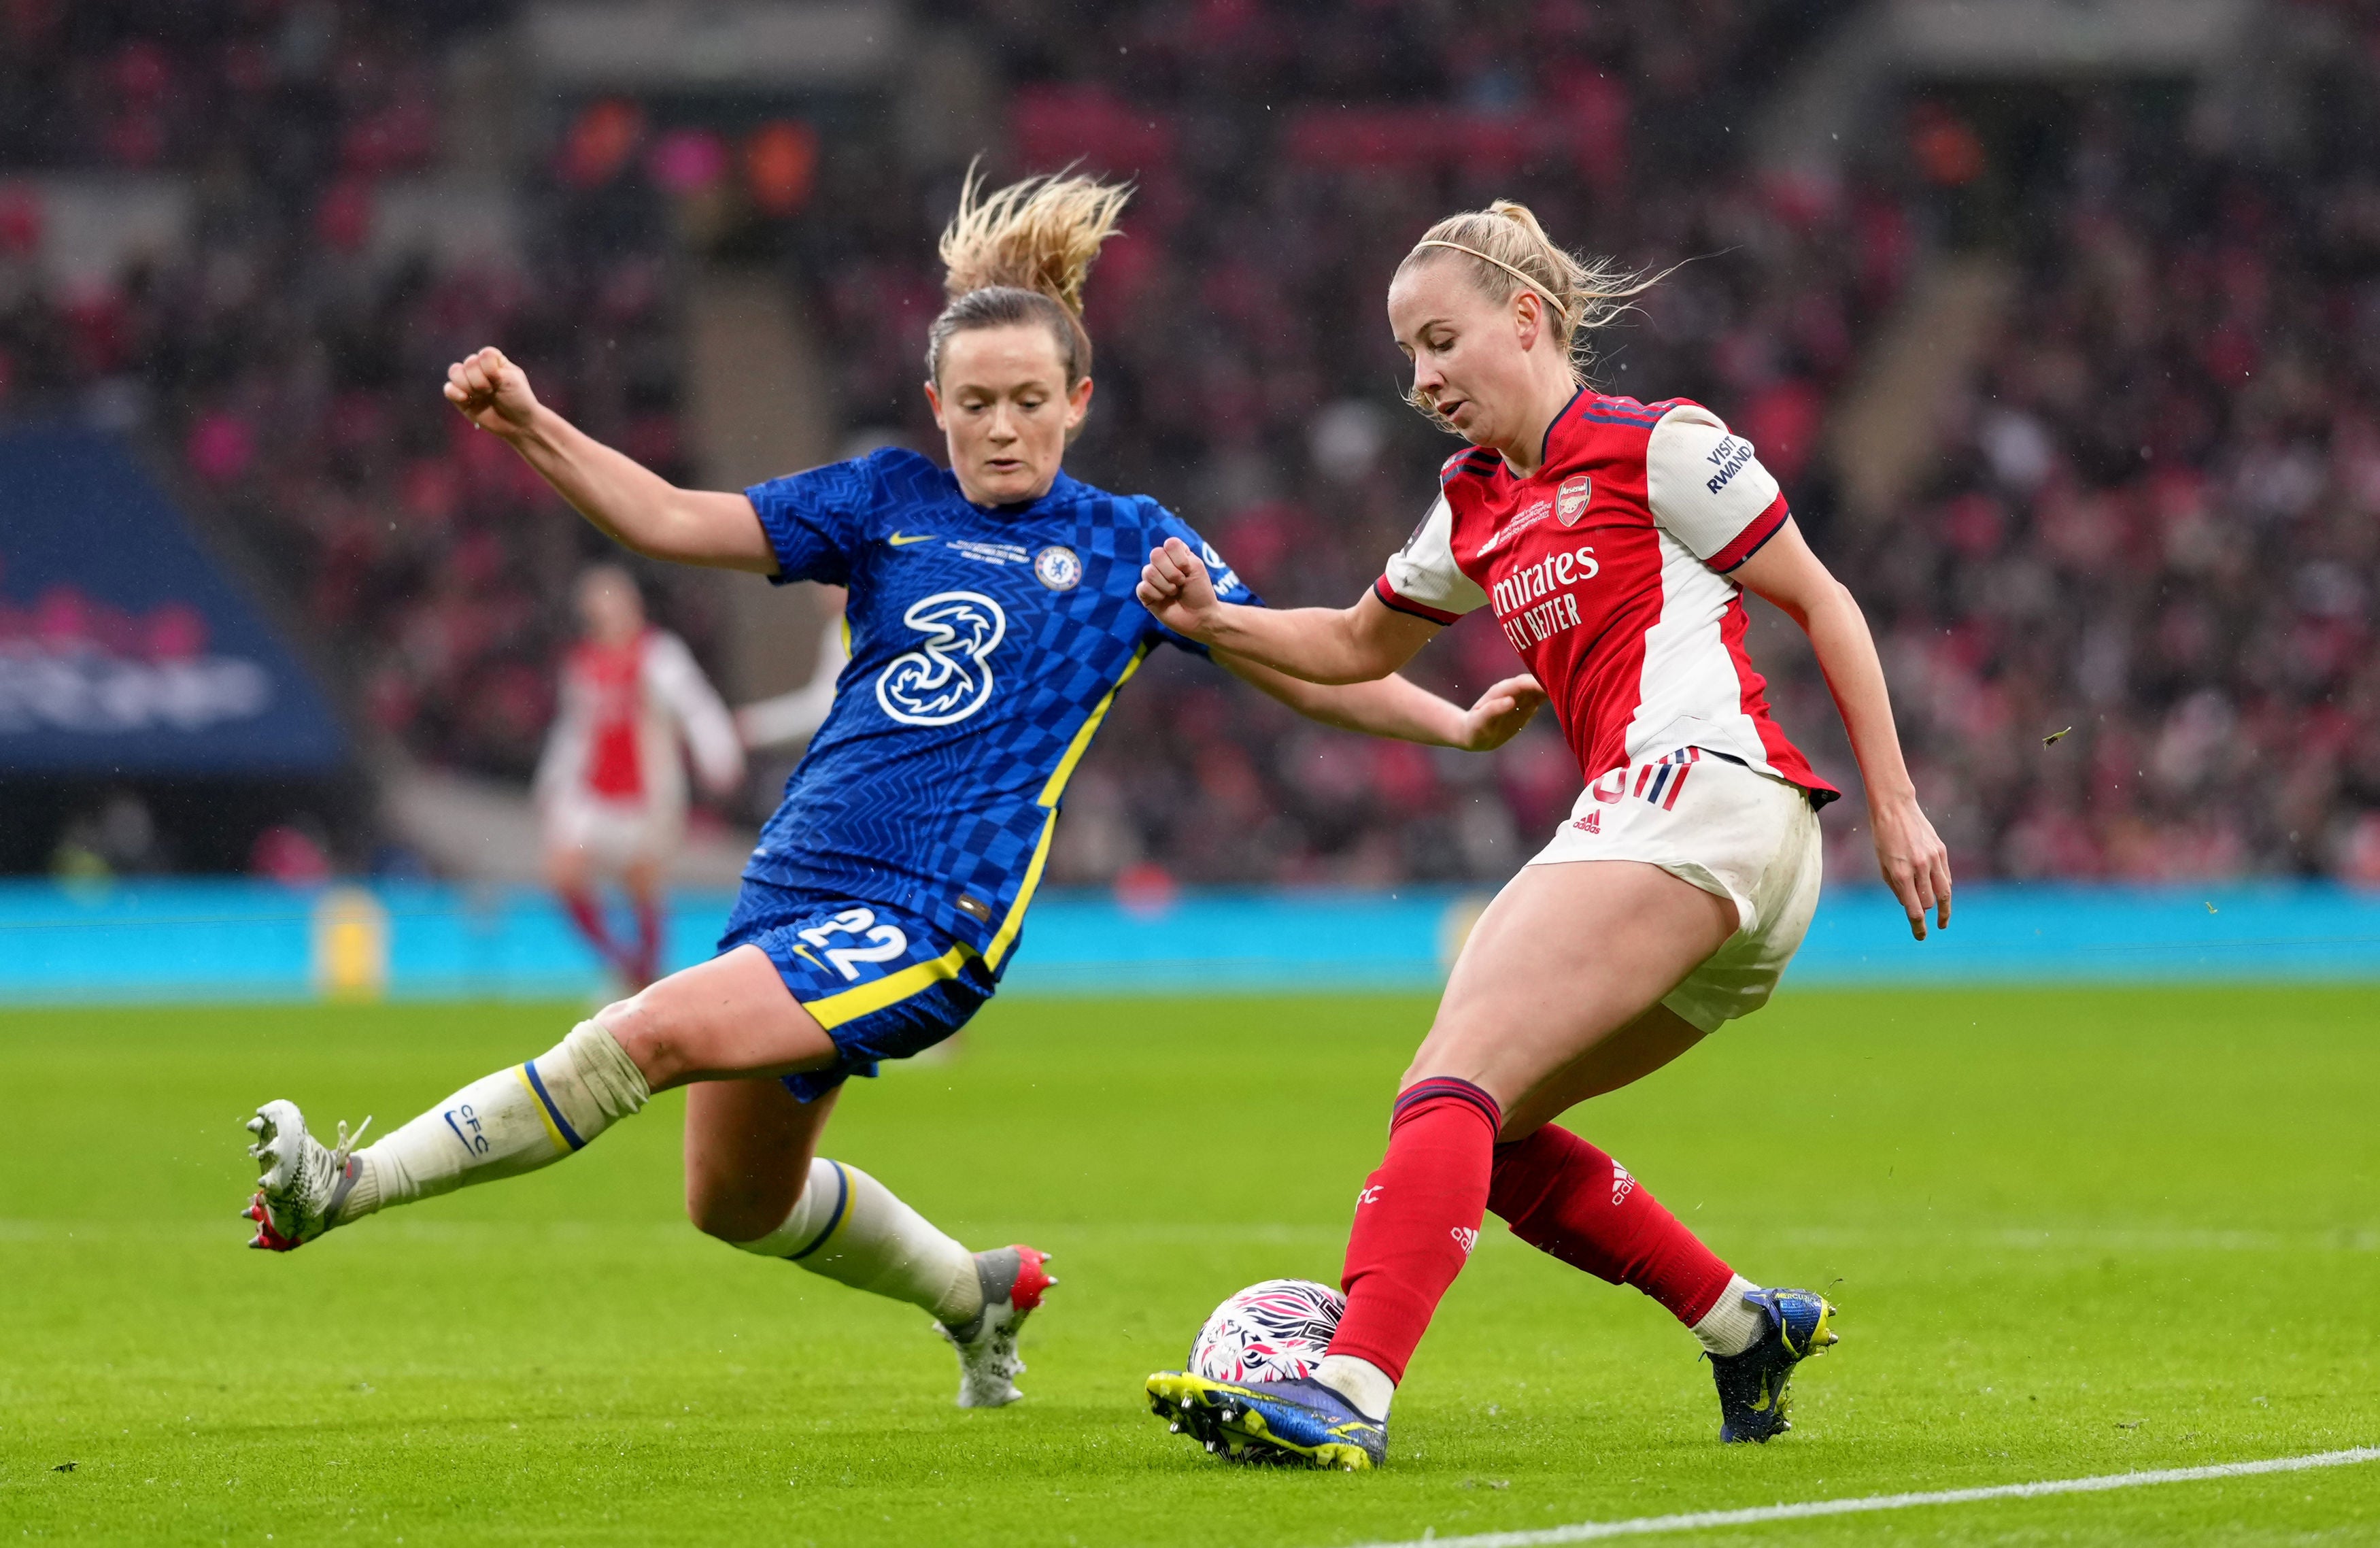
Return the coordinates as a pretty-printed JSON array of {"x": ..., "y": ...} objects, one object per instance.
[{"x": 1273, "y": 1331}]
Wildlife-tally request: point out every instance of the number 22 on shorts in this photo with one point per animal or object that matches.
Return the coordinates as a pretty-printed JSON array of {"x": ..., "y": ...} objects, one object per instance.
[{"x": 885, "y": 940}]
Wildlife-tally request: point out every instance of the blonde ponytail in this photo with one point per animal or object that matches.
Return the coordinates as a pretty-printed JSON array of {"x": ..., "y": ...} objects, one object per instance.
[
  {"x": 1020, "y": 254},
  {"x": 1507, "y": 251},
  {"x": 1040, "y": 235}
]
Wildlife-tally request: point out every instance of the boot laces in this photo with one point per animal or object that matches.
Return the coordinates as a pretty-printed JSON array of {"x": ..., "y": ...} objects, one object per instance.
[{"x": 348, "y": 1143}]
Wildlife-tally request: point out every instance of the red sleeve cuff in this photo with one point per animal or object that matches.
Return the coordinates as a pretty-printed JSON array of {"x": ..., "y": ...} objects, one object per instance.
[
  {"x": 1747, "y": 543},
  {"x": 1388, "y": 598}
]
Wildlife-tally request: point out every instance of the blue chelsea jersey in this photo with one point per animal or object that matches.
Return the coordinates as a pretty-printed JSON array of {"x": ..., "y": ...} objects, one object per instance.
[{"x": 986, "y": 646}]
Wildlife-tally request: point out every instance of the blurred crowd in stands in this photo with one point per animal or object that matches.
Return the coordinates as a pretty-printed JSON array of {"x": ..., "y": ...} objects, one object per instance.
[
  {"x": 2159, "y": 525},
  {"x": 296, "y": 371},
  {"x": 2162, "y": 526}
]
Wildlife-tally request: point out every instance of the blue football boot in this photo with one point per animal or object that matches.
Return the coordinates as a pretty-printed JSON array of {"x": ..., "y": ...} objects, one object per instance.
[
  {"x": 1298, "y": 1423},
  {"x": 1752, "y": 1385}
]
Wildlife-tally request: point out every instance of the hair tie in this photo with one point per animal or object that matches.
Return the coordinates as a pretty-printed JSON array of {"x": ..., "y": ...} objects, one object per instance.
[{"x": 1559, "y": 311}]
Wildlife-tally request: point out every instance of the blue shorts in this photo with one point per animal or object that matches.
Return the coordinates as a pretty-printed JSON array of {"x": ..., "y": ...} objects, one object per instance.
[{"x": 882, "y": 982}]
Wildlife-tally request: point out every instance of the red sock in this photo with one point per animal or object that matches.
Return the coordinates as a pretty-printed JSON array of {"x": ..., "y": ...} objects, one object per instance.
[
  {"x": 648, "y": 941},
  {"x": 1562, "y": 1195},
  {"x": 587, "y": 913},
  {"x": 1416, "y": 1220}
]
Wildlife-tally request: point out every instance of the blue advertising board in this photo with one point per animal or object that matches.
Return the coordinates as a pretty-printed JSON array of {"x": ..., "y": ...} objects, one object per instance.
[
  {"x": 123, "y": 649},
  {"x": 165, "y": 939}
]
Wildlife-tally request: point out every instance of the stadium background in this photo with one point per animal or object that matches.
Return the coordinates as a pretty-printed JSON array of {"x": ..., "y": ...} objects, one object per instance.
[
  {"x": 2071, "y": 372},
  {"x": 2060, "y": 323}
]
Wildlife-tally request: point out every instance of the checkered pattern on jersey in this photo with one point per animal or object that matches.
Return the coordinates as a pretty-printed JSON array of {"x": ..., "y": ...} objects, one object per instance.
[{"x": 921, "y": 816}]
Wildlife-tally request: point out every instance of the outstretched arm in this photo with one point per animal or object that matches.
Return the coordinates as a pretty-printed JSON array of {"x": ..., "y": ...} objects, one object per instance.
[
  {"x": 1914, "y": 863},
  {"x": 1398, "y": 707},
  {"x": 629, "y": 503},
  {"x": 1319, "y": 644}
]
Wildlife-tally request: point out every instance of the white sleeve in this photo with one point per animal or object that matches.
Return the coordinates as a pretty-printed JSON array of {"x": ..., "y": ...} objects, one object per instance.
[
  {"x": 558, "y": 766},
  {"x": 1707, "y": 489},
  {"x": 1421, "y": 578},
  {"x": 678, "y": 683},
  {"x": 793, "y": 715}
]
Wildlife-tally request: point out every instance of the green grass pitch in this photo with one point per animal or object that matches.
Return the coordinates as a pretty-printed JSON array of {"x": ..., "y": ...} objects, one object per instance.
[{"x": 2073, "y": 1233}]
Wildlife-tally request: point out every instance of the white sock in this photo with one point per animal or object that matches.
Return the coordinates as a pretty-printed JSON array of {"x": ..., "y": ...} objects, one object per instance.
[
  {"x": 849, "y": 1227},
  {"x": 1731, "y": 1326},
  {"x": 1360, "y": 1383},
  {"x": 503, "y": 1125}
]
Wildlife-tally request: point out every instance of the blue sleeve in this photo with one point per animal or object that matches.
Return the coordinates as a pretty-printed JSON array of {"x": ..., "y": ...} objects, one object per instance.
[
  {"x": 816, "y": 520},
  {"x": 1228, "y": 584}
]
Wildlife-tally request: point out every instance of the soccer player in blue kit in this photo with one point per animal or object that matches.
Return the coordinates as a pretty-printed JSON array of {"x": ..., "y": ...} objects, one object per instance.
[{"x": 992, "y": 619}]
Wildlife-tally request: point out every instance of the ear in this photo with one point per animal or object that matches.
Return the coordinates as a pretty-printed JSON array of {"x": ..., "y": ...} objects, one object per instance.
[
  {"x": 934, "y": 401},
  {"x": 1528, "y": 318},
  {"x": 1078, "y": 403}
]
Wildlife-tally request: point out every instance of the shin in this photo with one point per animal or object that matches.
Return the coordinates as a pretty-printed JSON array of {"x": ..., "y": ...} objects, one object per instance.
[
  {"x": 848, "y": 1227},
  {"x": 1567, "y": 1198},
  {"x": 516, "y": 1120},
  {"x": 1416, "y": 1222}
]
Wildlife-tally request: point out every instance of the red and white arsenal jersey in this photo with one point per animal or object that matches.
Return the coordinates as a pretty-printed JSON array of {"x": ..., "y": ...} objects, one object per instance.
[
  {"x": 1606, "y": 569},
  {"x": 625, "y": 710}
]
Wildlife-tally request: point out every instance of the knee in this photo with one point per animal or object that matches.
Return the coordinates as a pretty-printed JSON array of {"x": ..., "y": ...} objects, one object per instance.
[
  {"x": 641, "y": 1026},
  {"x": 1453, "y": 1051},
  {"x": 566, "y": 869},
  {"x": 1445, "y": 1052}
]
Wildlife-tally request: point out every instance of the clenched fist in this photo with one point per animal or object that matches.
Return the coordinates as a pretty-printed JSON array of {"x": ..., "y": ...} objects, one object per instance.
[
  {"x": 491, "y": 391},
  {"x": 1175, "y": 587}
]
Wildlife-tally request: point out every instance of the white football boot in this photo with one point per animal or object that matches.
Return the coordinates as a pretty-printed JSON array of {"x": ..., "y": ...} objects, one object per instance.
[
  {"x": 1013, "y": 1280},
  {"x": 304, "y": 1181}
]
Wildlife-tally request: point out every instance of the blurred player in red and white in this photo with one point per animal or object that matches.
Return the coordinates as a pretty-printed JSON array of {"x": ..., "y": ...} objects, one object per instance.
[
  {"x": 795, "y": 714},
  {"x": 611, "y": 787},
  {"x": 1612, "y": 540}
]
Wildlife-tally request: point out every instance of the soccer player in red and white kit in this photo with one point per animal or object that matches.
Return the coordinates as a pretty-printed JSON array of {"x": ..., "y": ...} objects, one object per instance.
[
  {"x": 1612, "y": 540},
  {"x": 611, "y": 787}
]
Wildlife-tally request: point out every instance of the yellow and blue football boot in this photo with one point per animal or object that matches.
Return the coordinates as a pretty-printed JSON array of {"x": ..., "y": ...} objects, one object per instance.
[
  {"x": 1299, "y": 1423},
  {"x": 1753, "y": 1396}
]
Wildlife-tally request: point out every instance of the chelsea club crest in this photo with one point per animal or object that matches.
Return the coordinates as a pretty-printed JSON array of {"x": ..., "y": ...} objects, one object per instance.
[{"x": 1058, "y": 567}]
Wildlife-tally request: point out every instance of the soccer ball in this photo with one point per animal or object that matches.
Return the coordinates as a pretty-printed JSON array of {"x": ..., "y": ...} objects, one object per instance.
[{"x": 1274, "y": 1332}]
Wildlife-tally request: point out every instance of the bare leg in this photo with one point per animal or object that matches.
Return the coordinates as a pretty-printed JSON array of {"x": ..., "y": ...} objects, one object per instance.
[
  {"x": 1623, "y": 1058},
  {"x": 728, "y": 1027},
  {"x": 753, "y": 1179},
  {"x": 748, "y": 1148},
  {"x": 728, "y": 1018},
  {"x": 571, "y": 872},
  {"x": 567, "y": 868},
  {"x": 1565, "y": 961},
  {"x": 642, "y": 879},
  {"x": 1567, "y": 958}
]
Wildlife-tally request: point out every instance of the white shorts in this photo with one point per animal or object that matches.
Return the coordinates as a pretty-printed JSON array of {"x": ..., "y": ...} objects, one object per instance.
[
  {"x": 614, "y": 833},
  {"x": 1714, "y": 822}
]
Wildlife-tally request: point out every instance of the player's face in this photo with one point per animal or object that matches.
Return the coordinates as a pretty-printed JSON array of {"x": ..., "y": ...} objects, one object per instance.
[
  {"x": 1003, "y": 405},
  {"x": 1470, "y": 364},
  {"x": 609, "y": 611}
]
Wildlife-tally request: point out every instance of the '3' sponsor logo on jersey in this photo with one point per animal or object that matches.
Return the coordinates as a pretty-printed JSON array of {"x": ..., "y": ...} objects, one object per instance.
[{"x": 948, "y": 676}]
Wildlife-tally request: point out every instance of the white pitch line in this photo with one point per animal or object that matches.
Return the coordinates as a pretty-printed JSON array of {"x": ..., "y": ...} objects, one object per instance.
[{"x": 1584, "y": 1532}]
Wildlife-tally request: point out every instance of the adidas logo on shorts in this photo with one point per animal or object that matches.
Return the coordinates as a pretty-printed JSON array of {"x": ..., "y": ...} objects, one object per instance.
[{"x": 1621, "y": 1185}]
